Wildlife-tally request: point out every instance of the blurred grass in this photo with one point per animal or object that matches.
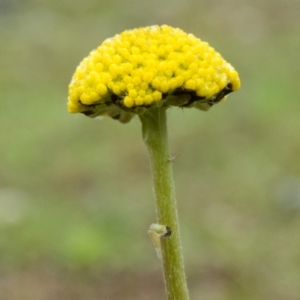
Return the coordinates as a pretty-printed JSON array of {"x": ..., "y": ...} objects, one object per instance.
[{"x": 75, "y": 193}]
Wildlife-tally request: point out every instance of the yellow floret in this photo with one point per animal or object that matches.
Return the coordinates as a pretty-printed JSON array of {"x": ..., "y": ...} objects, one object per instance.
[
  {"x": 164, "y": 87},
  {"x": 190, "y": 85},
  {"x": 128, "y": 101},
  {"x": 156, "y": 96},
  {"x": 144, "y": 66},
  {"x": 148, "y": 76},
  {"x": 148, "y": 99},
  {"x": 101, "y": 89},
  {"x": 142, "y": 93},
  {"x": 137, "y": 80},
  {"x": 139, "y": 100},
  {"x": 132, "y": 93}
]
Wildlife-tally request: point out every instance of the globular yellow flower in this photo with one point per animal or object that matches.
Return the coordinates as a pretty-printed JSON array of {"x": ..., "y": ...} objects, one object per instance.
[{"x": 156, "y": 65}]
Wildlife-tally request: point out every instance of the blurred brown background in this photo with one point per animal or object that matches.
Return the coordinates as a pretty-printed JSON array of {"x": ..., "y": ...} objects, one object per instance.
[{"x": 76, "y": 194}]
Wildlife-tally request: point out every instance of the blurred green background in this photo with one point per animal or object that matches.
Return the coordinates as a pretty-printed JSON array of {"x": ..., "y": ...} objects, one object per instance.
[{"x": 76, "y": 194}]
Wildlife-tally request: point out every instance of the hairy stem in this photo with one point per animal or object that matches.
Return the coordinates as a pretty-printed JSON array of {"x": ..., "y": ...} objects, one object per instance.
[{"x": 154, "y": 127}]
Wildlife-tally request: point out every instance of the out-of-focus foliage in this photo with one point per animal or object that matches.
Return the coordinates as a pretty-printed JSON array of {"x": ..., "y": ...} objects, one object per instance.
[{"x": 75, "y": 193}]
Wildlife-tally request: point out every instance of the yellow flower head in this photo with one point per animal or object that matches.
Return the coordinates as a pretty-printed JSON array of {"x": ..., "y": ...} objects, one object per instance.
[{"x": 156, "y": 65}]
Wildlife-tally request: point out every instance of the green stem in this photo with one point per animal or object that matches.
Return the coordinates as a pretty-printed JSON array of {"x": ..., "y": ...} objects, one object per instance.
[{"x": 154, "y": 127}]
